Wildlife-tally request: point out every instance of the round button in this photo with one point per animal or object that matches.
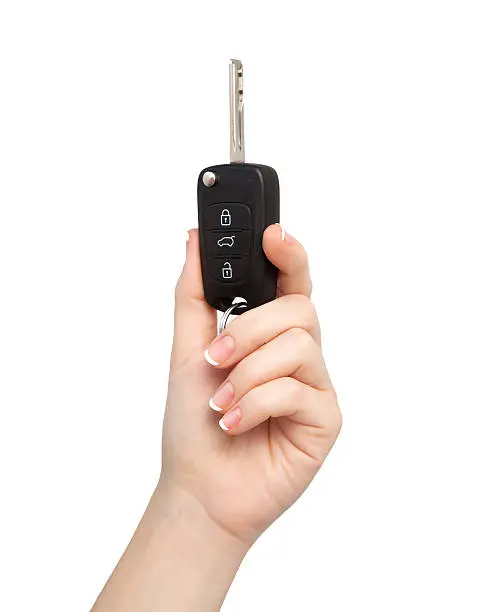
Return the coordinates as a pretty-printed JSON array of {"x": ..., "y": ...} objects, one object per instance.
[{"x": 209, "y": 179}]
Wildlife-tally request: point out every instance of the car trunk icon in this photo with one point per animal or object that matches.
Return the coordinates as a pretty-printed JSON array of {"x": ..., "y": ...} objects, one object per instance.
[{"x": 226, "y": 241}]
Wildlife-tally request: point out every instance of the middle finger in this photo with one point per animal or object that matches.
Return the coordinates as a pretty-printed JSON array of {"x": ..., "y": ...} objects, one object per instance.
[{"x": 293, "y": 353}]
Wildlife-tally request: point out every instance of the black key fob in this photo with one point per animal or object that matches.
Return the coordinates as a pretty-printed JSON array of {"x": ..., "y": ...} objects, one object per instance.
[{"x": 236, "y": 203}]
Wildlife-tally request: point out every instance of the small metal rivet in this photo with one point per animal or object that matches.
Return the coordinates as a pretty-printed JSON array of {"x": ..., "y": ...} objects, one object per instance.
[{"x": 209, "y": 179}]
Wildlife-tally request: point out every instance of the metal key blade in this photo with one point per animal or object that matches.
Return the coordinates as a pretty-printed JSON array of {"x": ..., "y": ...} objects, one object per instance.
[{"x": 237, "y": 144}]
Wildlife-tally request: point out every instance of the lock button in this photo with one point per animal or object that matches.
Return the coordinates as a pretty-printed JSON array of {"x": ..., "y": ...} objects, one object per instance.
[
  {"x": 225, "y": 216},
  {"x": 231, "y": 270}
]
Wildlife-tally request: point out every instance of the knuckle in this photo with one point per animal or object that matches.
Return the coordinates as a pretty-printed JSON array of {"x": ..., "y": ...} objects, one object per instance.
[
  {"x": 335, "y": 416},
  {"x": 302, "y": 340},
  {"x": 292, "y": 390},
  {"x": 310, "y": 315},
  {"x": 304, "y": 309},
  {"x": 337, "y": 419},
  {"x": 296, "y": 299}
]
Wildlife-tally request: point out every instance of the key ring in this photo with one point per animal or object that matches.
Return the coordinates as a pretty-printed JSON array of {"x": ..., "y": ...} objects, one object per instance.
[{"x": 230, "y": 310}]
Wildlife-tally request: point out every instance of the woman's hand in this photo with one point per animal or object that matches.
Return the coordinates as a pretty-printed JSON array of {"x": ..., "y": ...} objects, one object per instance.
[
  {"x": 266, "y": 375},
  {"x": 224, "y": 481}
]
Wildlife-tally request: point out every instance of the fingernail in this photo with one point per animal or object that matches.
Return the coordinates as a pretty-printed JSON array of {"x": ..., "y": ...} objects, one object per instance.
[
  {"x": 288, "y": 238},
  {"x": 220, "y": 350},
  {"x": 282, "y": 230},
  {"x": 223, "y": 397},
  {"x": 187, "y": 236},
  {"x": 231, "y": 419}
]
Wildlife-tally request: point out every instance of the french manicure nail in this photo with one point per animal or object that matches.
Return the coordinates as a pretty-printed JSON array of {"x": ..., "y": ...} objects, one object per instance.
[
  {"x": 282, "y": 230},
  {"x": 223, "y": 397},
  {"x": 232, "y": 418},
  {"x": 220, "y": 350},
  {"x": 288, "y": 238}
]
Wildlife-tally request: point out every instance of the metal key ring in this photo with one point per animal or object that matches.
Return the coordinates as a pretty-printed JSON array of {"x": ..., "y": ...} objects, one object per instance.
[{"x": 230, "y": 310}]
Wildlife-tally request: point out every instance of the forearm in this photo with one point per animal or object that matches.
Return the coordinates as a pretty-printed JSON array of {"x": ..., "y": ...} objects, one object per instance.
[{"x": 177, "y": 560}]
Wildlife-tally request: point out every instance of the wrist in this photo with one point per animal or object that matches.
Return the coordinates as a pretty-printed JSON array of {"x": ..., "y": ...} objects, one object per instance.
[
  {"x": 189, "y": 547},
  {"x": 178, "y": 559},
  {"x": 203, "y": 554},
  {"x": 176, "y": 509}
]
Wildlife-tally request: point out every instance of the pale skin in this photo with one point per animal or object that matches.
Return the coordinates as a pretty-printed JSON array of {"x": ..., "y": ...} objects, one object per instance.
[{"x": 251, "y": 415}]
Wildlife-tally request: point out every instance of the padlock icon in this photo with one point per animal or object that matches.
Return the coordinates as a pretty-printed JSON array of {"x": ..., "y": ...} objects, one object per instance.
[
  {"x": 225, "y": 217},
  {"x": 227, "y": 270}
]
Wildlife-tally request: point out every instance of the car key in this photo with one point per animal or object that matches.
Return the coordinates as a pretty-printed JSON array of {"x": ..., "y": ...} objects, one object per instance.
[{"x": 236, "y": 202}]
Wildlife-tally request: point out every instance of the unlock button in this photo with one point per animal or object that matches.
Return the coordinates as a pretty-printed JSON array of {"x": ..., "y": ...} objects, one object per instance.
[{"x": 229, "y": 270}]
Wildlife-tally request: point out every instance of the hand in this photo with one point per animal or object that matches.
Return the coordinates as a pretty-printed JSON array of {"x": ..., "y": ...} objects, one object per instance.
[
  {"x": 265, "y": 373},
  {"x": 223, "y": 482}
]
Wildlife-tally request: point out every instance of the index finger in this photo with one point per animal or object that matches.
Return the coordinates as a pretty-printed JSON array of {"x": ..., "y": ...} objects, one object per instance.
[{"x": 258, "y": 326}]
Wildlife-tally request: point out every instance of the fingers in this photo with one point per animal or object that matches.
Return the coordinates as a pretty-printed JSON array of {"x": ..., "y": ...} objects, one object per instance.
[
  {"x": 283, "y": 397},
  {"x": 293, "y": 353},
  {"x": 279, "y": 368},
  {"x": 195, "y": 322},
  {"x": 256, "y": 327},
  {"x": 289, "y": 256}
]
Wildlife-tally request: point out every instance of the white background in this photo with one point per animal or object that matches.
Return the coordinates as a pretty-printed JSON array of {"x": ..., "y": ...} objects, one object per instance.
[{"x": 368, "y": 111}]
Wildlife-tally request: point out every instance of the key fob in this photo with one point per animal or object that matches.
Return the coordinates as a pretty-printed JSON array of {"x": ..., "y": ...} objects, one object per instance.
[{"x": 236, "y": 203}]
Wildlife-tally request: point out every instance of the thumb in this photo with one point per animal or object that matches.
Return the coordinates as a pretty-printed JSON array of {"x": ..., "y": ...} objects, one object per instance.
[
  {"x": 195, "y": 322},
  {"x": 289, "y": 256}
]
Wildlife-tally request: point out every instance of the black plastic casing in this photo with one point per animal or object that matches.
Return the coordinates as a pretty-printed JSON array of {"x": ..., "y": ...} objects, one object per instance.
[{"x": 257, "y": 187}]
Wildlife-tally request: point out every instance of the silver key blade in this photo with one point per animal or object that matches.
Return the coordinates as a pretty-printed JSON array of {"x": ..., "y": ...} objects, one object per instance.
[{"x": 237, "y": 144}]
